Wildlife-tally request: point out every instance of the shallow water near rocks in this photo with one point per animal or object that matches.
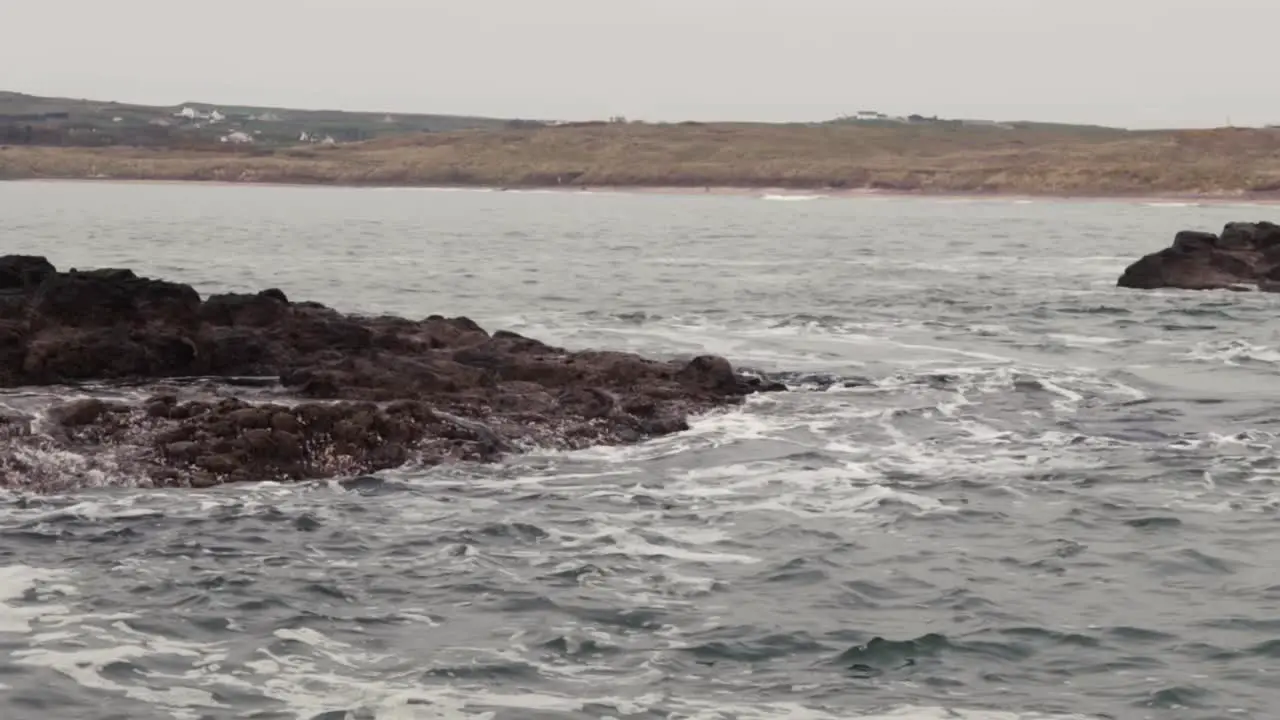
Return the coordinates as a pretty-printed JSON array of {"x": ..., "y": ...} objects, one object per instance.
[{"x": 1002, "y": 489}]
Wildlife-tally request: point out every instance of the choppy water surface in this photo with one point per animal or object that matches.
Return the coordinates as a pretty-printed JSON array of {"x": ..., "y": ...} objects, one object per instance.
[{"x": 1030, "y": 494}]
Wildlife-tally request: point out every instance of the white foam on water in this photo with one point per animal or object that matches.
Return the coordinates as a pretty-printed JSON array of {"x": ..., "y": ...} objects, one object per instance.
[
  {"x": 56, "y": 468},
  {"x": 714, "y": 429},
  {"x": 85, "y": 667},
  {"x": 1070, "y": 398},
  {"x": 80, "y": 646},
  {"x": 628, "y": 544},
  {"x": 1083, "y": 340},
  {"x": 1232, "y": 352},
  {"x": 885, "y": 459},
  {"x": 124, "y": 507},
  {"x": 451, "y": 704},
  {"x": 16, "y": 582},
  {"x": 991, "y": 330},
  {"x": 973, "y": 354},
  {"x": 321, "y": 674},
  {"x": 793, "y": 198},
  {"x": 848, "y": 493}
]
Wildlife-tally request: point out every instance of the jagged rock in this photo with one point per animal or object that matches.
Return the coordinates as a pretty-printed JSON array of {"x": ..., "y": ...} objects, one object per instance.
[
  {"x": 111, "y": 298},
  {"x": 19, "y": 272},
  {"x": 1244, "y": 256},
  {"x": 237, "y": 440},
  {"x": 14, "y": 425},
  {"x": 375, "y": 392},
  {"x": 83, "y": 412}
]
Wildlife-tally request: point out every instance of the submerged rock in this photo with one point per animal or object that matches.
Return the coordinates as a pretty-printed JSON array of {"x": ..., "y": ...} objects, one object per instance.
[
  {"x": 1244, "y": 256},
  {"x": 350, "y": 394}
]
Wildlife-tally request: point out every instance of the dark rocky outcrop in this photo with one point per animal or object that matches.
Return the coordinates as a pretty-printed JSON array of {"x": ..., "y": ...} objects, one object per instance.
[
  {"x": 255, "y": 386},
  {"x": 1244, "y": 256}
]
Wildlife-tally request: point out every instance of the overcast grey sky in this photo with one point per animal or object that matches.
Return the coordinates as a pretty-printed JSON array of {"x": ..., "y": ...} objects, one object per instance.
[{"x": 1136, "y": 63}]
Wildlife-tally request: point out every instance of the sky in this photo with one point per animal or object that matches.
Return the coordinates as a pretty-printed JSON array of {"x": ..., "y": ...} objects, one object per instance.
[{"x": 1129, "y": 63}]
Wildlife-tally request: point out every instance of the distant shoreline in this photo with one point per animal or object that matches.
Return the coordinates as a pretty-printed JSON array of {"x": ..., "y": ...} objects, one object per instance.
[
  {"x": 816, "y": 193},
  {"x": 1209, "y": 166}
]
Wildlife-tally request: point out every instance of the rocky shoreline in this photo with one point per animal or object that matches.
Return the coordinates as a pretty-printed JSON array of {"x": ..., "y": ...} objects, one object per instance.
[
  {"x": 1245, "y": 257},
  {"x": 247, "y": 387}
]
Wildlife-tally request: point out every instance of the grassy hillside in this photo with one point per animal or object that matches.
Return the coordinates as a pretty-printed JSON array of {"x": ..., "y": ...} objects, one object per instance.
[
  {"x": 66, "y": 121},
  {"x": 927, "y": 156}
]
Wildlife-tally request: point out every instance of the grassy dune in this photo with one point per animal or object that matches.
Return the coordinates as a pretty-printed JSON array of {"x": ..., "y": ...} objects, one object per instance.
[{"x": 926, "y": 158}]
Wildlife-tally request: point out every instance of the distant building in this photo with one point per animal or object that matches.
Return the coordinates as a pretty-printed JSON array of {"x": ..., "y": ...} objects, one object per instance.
[
  {"x": 237, "y": 138},
  {"x": 307, "y": 137},
  {"x": 190, "y": 113}
]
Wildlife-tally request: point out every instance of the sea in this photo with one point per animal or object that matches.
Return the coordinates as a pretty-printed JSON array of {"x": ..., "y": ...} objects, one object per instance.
[{"x": 1000, "y": 488}]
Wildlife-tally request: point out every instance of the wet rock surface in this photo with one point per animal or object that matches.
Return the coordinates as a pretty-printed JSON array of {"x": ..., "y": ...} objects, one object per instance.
[
  {"x": 239, "y": 387},
  {"x": 1245, "y": 256}
]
